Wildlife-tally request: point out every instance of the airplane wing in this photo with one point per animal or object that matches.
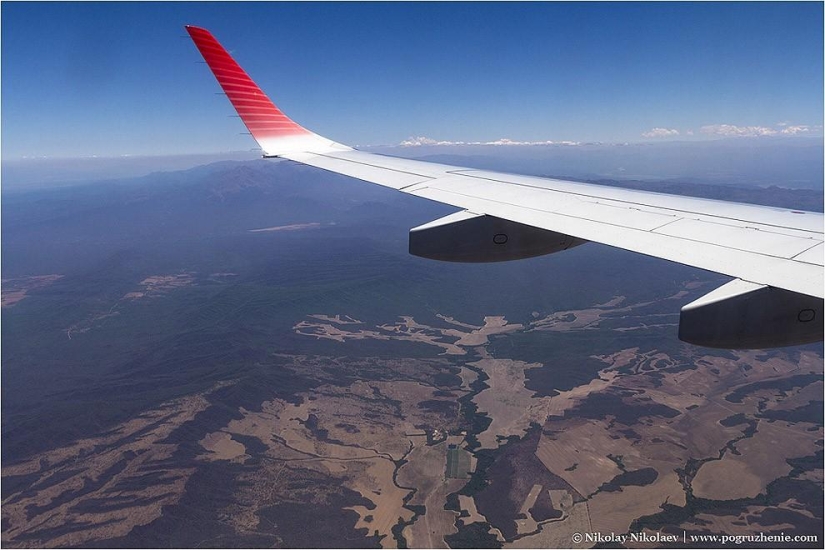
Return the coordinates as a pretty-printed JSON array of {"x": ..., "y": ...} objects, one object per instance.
[{"x": 774, "y": 255}]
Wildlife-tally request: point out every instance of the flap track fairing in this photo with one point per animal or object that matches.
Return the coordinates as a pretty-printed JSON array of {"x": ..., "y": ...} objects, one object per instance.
[
  {"x": 469, "y": 237},
  {"x": 744, "y": 315}
]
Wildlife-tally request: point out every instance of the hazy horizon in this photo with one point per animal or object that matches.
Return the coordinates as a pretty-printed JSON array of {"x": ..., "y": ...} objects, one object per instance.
[{"x": 787, "y": 162}]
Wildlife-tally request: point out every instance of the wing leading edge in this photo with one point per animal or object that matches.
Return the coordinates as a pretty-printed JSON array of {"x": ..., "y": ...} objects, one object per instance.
[{"x": 509, "y": 216}]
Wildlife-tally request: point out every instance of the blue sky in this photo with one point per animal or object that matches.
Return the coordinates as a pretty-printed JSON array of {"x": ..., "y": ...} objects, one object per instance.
[{"x": 112, "y": 79}]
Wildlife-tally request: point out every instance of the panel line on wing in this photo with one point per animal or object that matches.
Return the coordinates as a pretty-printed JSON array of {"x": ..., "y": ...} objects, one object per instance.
[
  {"x": 809, "y": 256},
  {"x": 377, "y": 167},
  {"x": 590, "y": 195},
  {"x": 784, "y": 273},
  {"x": 655, "y": 229},
  {"x": 622, "y": 226}
]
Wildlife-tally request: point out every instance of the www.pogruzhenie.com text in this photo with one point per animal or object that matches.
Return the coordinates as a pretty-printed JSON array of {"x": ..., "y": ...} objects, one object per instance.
[{"x": 689, "y": 538}]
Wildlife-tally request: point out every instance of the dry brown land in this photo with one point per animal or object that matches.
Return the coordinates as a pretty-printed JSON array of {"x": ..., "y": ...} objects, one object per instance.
[
  {"x": 509, "y": 404},
  {"x": 590, "y": 318},
  {"x": 580, "y": 319},
  {"x": 577, "y": 449},
  {"x": 613, "y": 512},
  {"x": 425, "y": 472},
  {"x": 345, "y": 320},
  {"x": 223, "y": 447},
  {"x": 330, "y": 332},
  {"x": 453, "y": 341},
  {"x": 158, "y": 285},
  {"x": 577, "y": 452},
  {"x": 528, "y": 524},
  {"x": 365, "y": 436},
  {"x": 467, "y": 377},
  {"x": 762, "y": 459},
  {"x": 375, "y": 482},
  {"x": 588, "y": 453},
  {"x": 798, "y": 397},
  {"x": 559, "y": 404},
  {"x": 468, "y": 505},
  {"x": 61, "y": 497},
  {"x": 14, "y": 290},
  {"x": 492, "y": 325},
  {"x": 155, "y": 286},
  {"x": 559, "y": 533},
  {"x": 749, "y": 521},
  {"x": 661, "y": 414}
]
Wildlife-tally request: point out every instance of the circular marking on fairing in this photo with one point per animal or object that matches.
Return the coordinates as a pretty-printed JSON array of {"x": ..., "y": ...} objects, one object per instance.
[
  {"x": 806, "y": 316},
  {"x": 500, "y": 238}
]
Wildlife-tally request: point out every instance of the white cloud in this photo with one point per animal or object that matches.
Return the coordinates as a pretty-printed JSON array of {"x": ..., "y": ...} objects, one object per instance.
[
  {"x": 799, "y": 129},
  {"x": 780, "y": 129},
  {"x": 416, "y": 141},
  {"x": 729, "y": 130},
  {"x": 505, "y": 141},
  {"x": 421, "y": 140},
  {"x": 660, "y": 133}
]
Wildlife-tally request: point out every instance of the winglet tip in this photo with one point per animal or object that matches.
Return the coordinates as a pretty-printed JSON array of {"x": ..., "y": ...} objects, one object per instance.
[{"x": 194, "y": 28}]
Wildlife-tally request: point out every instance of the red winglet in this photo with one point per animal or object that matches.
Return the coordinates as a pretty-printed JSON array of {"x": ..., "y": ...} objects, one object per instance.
[{"x": 263, "y": 119}]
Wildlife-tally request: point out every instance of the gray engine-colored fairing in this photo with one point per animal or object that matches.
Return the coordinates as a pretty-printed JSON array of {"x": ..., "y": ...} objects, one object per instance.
[
  {"x": 743, "y": 315},
  {"x": 468, "y": 237}
]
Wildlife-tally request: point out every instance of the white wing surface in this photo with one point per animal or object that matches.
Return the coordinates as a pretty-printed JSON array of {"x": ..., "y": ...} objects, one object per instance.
[{"x": 768, "y": 251}]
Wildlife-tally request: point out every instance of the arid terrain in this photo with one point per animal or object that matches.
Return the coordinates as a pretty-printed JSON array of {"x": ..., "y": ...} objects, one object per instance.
[
  {"x": 16, "y": 289},
  {"x": 716, "y": 443}
]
